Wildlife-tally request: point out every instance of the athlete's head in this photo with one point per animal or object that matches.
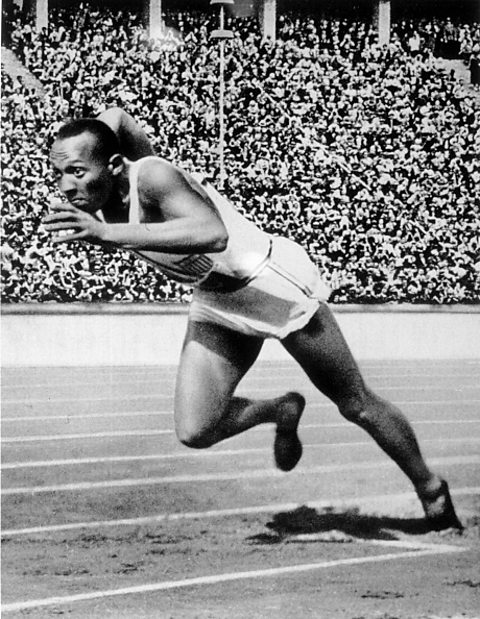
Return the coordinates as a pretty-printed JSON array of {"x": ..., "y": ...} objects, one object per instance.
[{"x": 86, "y": 159}]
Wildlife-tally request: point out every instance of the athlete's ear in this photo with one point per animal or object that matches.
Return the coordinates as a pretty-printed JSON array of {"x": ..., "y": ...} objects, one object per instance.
[{"x": 115, "y": 164}]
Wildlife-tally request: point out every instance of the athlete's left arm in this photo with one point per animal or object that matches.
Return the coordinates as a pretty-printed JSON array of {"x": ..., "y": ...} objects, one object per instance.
[
  {"x": 133, "y": 140},
  {"x": 187, "y": 221}
]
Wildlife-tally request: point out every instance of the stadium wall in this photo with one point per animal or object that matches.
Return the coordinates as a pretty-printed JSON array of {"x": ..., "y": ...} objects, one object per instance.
[{"x": 82, "y": 334}]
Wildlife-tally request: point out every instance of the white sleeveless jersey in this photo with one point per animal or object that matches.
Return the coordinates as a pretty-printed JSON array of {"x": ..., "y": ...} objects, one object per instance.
[{"x": 246, "y": 250}]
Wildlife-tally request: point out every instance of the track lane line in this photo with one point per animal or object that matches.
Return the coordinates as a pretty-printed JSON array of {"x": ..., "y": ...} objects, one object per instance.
[
  {"x": 248, "y": 378},
  {"x": 126, "y": 433},
  {"x": 205, "y": 454},
  {"x": 88, "y": 375},
  {"x": 87, "y": 416},
  {"x": 415, "y": 551},
  {"x": 309, "y": 405},
  {"x": 70, "y": 437},
  {"x": 163, "y": 396},
  {"x": 364, "y": 502},
  {"x": 239, "y": 475}
]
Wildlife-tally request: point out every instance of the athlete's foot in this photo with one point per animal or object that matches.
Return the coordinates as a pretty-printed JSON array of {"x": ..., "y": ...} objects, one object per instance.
[
  {"x": 287, "y": 447},
  {"x": 439, "y": 510}
]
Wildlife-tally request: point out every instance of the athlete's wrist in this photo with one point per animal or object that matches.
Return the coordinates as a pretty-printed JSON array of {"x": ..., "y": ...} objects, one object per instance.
[
  {"x": 105, "y": 233},
  {"x": 117, "y": 234}
]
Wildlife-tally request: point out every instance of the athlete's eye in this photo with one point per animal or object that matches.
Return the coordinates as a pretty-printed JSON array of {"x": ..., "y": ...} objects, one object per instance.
[{"x": 78, "y": 172}]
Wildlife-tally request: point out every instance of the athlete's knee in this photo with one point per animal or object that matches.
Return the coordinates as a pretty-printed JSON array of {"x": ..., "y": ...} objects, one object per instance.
[
  {"x": 356, "y": 408},
  {"x": 364, "y": 408},
  {"x": 194, "y": 436}
]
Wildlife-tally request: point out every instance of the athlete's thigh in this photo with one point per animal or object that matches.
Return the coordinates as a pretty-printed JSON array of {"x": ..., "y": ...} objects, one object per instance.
[
  {"x": 323, "y": 353},
  {"x": 212, "y": 363}
]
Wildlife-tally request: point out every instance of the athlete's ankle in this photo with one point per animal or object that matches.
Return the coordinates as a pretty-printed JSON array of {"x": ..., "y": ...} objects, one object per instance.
[{"x": 428, "y": 490}]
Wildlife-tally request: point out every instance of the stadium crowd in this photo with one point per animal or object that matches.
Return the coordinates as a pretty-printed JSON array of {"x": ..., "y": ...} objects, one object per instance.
[{"x": 367, "y": 156}]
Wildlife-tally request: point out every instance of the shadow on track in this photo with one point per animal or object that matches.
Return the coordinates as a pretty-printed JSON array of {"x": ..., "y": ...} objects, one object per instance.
[{"x": 328, "y": 525}]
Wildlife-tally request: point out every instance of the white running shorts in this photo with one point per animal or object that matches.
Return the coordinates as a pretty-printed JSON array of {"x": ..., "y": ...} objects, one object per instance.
[{"x": 281, "y": 299}]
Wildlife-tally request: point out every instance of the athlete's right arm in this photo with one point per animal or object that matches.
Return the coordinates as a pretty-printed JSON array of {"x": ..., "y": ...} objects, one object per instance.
[
  {"x": 133, "y": 139},
  {"x": 181, "y": 220}
]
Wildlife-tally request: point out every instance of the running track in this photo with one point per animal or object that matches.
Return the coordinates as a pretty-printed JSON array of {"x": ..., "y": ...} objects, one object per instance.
[{"x": 106, "y": 515}]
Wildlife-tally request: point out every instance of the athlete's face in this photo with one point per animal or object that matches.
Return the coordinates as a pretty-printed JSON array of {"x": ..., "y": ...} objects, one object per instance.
[{"x": 82, "y": 176}]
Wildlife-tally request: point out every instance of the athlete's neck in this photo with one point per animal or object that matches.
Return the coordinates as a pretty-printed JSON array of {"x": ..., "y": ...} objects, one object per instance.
[{"x": 116, "y": 210}]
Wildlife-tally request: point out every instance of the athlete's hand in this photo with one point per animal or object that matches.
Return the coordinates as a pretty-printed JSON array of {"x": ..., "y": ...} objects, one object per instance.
[{"x": 68, "y": 223}]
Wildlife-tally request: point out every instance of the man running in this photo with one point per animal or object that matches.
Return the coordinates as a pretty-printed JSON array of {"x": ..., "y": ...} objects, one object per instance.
[{"x": 248, "y": 286}]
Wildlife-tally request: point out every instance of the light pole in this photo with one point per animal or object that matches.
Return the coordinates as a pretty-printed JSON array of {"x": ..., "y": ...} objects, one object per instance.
[{"x": 222, "y": 35}]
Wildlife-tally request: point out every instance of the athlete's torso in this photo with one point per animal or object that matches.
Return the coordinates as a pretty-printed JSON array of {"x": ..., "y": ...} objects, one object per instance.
[{"x": 246, "y": 249}]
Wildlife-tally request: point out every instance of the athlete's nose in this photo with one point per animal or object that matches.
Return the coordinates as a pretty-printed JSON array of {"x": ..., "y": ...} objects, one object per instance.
[{"x": 67, "y": 186}]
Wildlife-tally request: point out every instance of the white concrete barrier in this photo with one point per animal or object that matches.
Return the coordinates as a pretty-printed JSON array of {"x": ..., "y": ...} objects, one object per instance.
[{"x": 78, "y": 334}]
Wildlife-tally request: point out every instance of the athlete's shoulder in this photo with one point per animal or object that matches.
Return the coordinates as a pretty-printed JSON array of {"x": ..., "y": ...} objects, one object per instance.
[
  {"x": 154, "y": 164},
  {"x": 156, "y": 172}
]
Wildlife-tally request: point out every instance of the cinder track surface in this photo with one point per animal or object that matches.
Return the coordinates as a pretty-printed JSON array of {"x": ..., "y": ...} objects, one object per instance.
[{"x": 106, "y": 515}]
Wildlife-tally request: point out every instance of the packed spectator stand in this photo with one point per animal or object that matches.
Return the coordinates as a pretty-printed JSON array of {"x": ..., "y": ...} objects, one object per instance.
[{"x": 368, "y": 156}]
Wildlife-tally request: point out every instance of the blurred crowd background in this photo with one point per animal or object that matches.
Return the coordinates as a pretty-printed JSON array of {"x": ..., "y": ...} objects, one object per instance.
[{"x": 367, "y": 156}]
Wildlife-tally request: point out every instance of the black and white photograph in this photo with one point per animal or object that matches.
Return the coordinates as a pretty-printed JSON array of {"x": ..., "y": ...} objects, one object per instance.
[{"x": 240, "y": 309}]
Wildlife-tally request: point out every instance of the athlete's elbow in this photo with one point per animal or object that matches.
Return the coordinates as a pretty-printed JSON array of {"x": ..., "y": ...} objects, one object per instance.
[
  {"x": 112, "y": 117},
  {"x": 211, "y": 237},
  {"x": 221, "y": 242},
  {"x": 219, "y": 239}
]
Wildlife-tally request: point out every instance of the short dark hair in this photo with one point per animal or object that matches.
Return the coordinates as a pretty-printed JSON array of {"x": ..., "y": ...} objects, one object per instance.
[{"x": 106, "y": 142}]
